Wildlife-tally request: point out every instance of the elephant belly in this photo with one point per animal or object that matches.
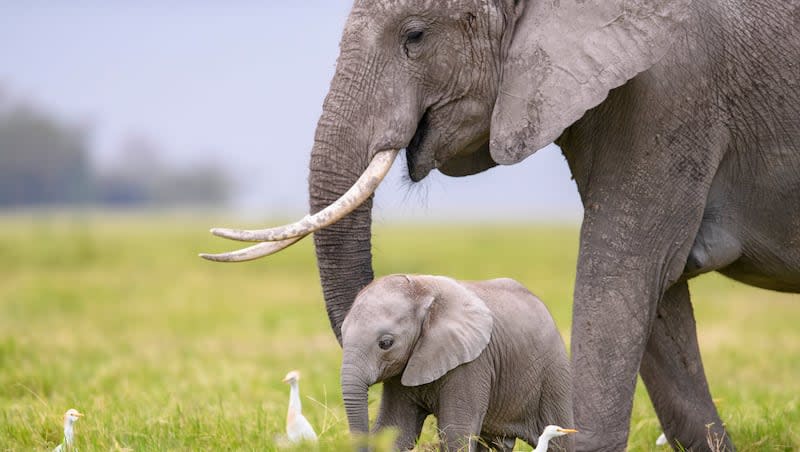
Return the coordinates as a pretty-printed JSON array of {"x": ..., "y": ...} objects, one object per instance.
[
  {"x": 751, "y": 226},
  {"x": 770, "y": 254},
  {"x": 755, "y": 196},
  {"x": 749, "y": 273}
]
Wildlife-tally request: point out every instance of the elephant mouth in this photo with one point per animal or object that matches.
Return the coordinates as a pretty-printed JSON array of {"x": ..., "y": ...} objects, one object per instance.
[
  {"x": 419, "y": 157},
  {"x": 454, "y": 154}
]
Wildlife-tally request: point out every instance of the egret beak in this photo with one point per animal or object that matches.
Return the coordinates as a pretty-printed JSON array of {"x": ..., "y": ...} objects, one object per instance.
[
  {"x": 78, "y": 414},
  {"x": 567, "y": 430}
]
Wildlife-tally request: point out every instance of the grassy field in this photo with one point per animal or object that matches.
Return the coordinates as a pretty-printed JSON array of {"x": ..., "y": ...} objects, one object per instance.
[{"x": 116, "y": 316}]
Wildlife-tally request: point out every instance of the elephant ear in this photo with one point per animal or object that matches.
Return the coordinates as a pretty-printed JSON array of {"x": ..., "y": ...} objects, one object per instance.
[
  {"x": 563, "y": 59},
  {"x": 456, "y": 327}
]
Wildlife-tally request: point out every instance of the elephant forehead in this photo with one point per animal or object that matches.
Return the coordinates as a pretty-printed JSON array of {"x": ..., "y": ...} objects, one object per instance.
[
  {"x": 381, "y": 308},
  {"x": 386, "y": 305},
  {"x": 383, "y": 286},
  {"x": 369, "y": 325},
  {"x": 418, "y": 5},
  {"x": 372, "y": 14}
]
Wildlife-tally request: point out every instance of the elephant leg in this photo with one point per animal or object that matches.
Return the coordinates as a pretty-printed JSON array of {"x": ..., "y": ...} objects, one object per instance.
[
  {"x": 612, "y": 314},
  {"x": 459, "y": 428},
  {"x": 399, "y": 411},
  {"x": 624, "y": 268},
  {"x": 644, "y": 200},
  {"x": 482, "y": 444},
  {"x": 456, "y": 435},
  {"x": 462, "y": 407},
  {"x": 672, "y": 371},
  {"x": 498, "y": 443},
  {"x": 555, "y": 408}
]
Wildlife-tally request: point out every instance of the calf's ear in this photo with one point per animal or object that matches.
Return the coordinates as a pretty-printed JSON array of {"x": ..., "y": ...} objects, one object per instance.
[{"x": 456, "y": 328}]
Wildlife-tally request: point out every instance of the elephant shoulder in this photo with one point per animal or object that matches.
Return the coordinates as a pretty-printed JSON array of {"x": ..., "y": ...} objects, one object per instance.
[
  {"x": 509, "y": 297},
  {"x": 521, "y": 319}
]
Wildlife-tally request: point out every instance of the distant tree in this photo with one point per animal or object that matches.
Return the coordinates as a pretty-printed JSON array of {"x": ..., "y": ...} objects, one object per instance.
[
  {"x": 197, "y": 185},
  {"x": 139, "y": 176},
  {"x": 43, "y": 160},
  {"x": 129, "y": 180}
]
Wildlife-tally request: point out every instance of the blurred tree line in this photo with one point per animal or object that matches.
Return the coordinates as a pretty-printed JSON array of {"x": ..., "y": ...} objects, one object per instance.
[{"x": 45, "y": 160}]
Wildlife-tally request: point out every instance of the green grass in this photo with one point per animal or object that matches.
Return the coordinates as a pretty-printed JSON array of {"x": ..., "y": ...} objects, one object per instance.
[{"x": 116, "y": 316}]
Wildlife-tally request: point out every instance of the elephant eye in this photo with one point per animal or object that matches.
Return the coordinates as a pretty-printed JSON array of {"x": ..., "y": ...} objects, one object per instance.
[
  {"x": 385, "y": 342},
  {"x": 413, "y": 37}
]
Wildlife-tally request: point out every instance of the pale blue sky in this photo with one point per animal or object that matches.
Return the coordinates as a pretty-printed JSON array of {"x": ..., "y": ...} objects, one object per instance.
[{"x": 241, "y": 84}]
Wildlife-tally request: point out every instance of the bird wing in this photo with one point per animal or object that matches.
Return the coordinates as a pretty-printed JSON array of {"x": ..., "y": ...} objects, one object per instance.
[{"x": 301, "y": 429}]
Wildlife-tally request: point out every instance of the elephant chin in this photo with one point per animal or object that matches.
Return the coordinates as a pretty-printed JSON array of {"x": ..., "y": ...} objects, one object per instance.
[
  {"x": 467, "y": 165},
  {"x": 427, "y": 151}
]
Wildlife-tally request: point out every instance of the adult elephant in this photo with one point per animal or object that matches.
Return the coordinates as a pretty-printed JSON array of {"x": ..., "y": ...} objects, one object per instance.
[{"x": 678, "y": 119}]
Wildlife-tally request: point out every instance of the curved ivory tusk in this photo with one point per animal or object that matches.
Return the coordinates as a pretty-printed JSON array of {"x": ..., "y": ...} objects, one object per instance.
[
  {"x": 251, "y": 252},
  {"x": 348, "y": 202}
]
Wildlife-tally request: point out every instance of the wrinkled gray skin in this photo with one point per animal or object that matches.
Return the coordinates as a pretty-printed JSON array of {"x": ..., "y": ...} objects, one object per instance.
[
  {"x": 679, "y": 122},
  {"x": 484, "y": 357}
]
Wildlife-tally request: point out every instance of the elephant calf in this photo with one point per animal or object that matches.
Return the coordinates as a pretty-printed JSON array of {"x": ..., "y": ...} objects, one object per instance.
[{"x": 484, "y": 357}]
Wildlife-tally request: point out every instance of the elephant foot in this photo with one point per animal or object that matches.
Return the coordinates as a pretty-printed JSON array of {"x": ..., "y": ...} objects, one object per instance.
[
  {"x": 711, "y": 438},
  {"x": 587, "y": 440},
  {"x": 498, "y": 443}
]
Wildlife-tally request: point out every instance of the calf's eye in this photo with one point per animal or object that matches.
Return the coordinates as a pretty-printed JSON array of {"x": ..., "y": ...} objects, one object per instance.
[{"x": 385, "y": 342}]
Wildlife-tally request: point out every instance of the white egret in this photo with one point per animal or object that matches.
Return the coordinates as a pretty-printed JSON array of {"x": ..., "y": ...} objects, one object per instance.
[
  {"x": 70, "y": 417},
  {"x": 297, "y": 426},
  {"x": 550, "y": 432}
]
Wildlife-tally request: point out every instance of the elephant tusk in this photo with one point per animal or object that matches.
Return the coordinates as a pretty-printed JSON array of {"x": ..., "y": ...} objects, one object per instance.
[
  {"x": 366, "y": 184},
  {"x": 252, "y": 252}
]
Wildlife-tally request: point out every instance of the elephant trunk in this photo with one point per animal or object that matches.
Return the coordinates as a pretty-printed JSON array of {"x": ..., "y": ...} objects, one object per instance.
[
  {"x": 342, "y": 151},
  {"x": 344, "y": 255},
  {"x": 356, "y": 141},
  {"x": 354, "y": 148},
  {"x": 354, "y": 392}
]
